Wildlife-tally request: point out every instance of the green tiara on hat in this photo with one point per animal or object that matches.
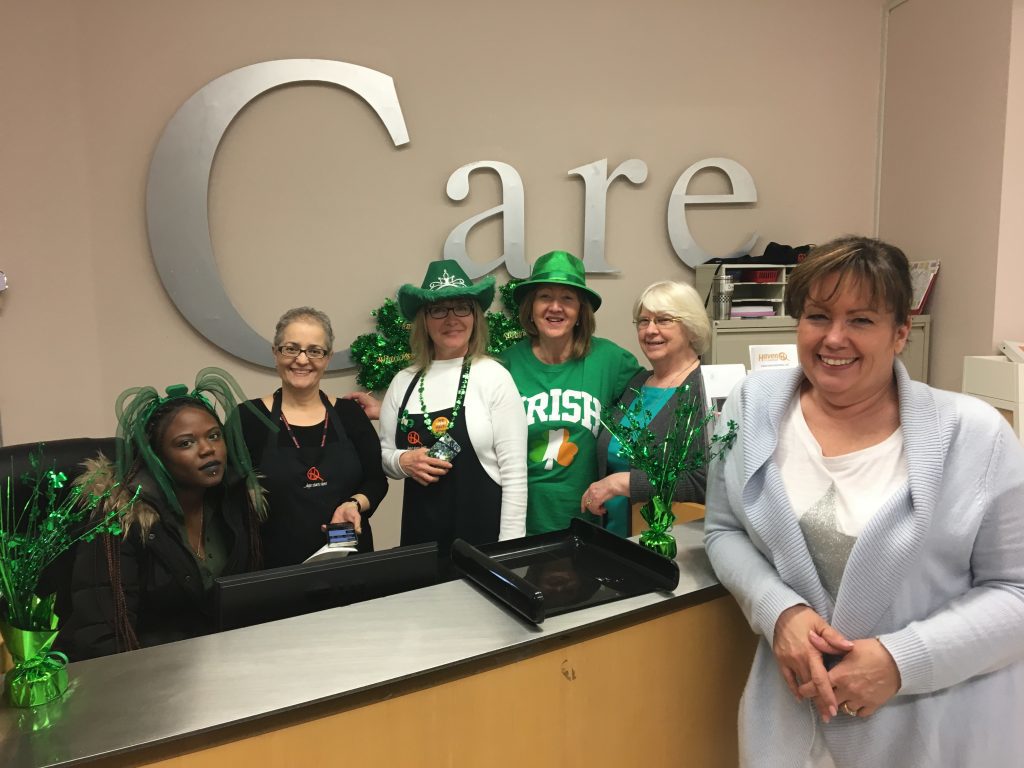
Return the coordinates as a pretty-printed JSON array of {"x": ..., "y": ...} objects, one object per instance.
[
  {"x": 558, "y": 268},
  {"x": 445, "y": 279}
]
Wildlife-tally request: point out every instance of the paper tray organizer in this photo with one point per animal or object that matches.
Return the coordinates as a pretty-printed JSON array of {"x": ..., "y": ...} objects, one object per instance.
[{"x": 561, "y": 571}]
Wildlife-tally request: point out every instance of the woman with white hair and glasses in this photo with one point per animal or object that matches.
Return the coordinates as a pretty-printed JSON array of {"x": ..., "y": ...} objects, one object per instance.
[
  {"x": 322, "y": 463},
  {"x": 672, "y": 330}
]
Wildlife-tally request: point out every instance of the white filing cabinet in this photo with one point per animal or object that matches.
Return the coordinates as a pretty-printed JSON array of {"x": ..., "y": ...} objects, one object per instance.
[
  {"x": 731, "y": 340},
  {"x": 1000, "y": 383}
]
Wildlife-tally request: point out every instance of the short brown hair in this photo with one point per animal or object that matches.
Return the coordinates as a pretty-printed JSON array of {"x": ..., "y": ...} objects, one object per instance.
[
  {"x": 582, "y": 332},
  {"x": 882, "y": 269},
  {"x": 422, "y": 346}
]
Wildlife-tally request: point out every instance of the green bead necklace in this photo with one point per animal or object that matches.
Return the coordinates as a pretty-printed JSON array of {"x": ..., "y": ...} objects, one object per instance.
[{"x": 406, "y": 419}]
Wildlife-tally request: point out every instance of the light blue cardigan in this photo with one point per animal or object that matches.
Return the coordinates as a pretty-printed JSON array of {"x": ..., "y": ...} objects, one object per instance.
[{"x": 937, "y": 575}]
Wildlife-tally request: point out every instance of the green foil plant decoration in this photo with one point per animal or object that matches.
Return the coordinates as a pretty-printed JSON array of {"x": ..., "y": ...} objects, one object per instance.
[
  {"x": 381, "y": 355},
  {"x": 684, "y": 449},
  {"x": 50, "y": 522}
]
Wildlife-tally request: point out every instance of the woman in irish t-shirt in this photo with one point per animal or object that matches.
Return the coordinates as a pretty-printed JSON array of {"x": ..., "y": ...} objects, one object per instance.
[{"x": 565, "y": 376}]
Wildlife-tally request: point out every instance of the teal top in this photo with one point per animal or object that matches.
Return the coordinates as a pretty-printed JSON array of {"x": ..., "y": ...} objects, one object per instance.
[{"x": 640, "y": 413}]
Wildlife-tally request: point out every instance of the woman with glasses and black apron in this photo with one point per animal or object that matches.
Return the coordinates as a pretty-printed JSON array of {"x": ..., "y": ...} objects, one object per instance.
[
  {"x": 322, "y": 465},
  {"x": 452, "y": 424}
]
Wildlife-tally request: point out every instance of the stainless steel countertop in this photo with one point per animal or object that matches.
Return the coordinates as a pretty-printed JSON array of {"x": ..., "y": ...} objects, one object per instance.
[{"x": 121, "y": 703}]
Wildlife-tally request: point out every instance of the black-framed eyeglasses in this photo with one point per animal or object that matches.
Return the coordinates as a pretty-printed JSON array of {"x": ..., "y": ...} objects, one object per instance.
[
  {"x": 662, "y": 321},
  {"x": 294, "y": 350},
  {"x": 440, "y": 311}
]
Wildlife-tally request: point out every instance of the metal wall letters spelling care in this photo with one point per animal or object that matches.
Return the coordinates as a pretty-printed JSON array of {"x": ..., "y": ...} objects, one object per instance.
[{"x": 179, "y": 175}]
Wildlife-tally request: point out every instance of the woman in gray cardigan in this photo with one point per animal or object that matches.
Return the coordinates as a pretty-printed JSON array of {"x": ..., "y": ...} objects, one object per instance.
[
  {"x": 871, "y": 529},
  {"x": 672, "y": 329}
]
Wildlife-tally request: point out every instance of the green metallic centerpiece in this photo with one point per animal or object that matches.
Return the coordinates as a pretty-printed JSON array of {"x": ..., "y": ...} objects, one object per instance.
[
  {"x": 682, "y": 451},
  {"x": 49, "y": 523}
]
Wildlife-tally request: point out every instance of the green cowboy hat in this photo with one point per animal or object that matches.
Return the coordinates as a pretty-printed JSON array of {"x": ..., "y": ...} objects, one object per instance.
[
  {"x": 558, "y": 268},
  {"x": 445, "y": 279}
]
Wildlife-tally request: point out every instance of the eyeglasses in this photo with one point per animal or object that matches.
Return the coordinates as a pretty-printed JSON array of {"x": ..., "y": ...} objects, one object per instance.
[
  {"x": 439, "y": 312},
  {"x": 663, "y": 321},
  {"x": 293, "y": 350}
]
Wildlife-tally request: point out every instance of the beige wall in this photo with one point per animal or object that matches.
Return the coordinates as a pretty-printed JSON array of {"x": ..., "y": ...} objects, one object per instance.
[
  {"x": 945, "y": 125},
  {"x": 1008, "y": 320},
  {"x": 310, "y": 204}
]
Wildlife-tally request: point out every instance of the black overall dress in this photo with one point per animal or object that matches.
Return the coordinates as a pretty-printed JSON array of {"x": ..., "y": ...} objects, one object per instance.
[
  {"x": 300, "y": 499},
  {"x": 464, "y": 504}
]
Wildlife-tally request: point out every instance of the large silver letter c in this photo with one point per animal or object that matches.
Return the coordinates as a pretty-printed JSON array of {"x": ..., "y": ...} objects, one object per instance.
[{"x": 178, "y": 188}]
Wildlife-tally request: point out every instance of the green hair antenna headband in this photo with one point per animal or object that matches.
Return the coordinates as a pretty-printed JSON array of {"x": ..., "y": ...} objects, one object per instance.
[{"x": 137, "y": 406}]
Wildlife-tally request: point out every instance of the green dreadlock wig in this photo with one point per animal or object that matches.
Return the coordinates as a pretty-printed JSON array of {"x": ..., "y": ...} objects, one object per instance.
[{"x": 139, "y": 409}]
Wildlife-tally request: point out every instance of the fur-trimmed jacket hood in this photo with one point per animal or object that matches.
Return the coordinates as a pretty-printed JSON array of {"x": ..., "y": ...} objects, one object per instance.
[{"x": 100, "y": 477}]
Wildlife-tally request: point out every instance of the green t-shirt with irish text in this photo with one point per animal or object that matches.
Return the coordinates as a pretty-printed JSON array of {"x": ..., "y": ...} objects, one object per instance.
[{"x": 563, "y": 414}]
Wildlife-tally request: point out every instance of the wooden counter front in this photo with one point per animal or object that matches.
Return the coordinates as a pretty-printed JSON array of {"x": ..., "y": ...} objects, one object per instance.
[{"x": 663, "y": 692}]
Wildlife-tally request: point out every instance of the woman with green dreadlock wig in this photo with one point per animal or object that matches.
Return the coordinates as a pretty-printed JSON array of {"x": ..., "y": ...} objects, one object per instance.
[{"x": 197, "y": 517}]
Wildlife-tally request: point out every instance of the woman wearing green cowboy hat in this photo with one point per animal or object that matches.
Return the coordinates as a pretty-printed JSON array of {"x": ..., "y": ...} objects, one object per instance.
[
  {"x": 451, "y": 424},
  {"x": 566, "y": 376}
]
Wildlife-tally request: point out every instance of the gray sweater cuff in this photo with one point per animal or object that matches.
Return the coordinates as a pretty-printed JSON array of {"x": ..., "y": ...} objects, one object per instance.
[
  {"x": 912, "y": 659},
  {"x": 769, "y": 608}
]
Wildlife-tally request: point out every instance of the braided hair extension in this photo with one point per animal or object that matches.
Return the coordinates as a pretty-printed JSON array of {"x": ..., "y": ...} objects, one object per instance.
[
  {"x": 253, "y": 522},
  {"x": 125, "y": 638}
]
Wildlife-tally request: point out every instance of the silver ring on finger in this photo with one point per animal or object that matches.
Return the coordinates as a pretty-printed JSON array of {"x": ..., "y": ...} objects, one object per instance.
[{"x": 846, "y": 709}]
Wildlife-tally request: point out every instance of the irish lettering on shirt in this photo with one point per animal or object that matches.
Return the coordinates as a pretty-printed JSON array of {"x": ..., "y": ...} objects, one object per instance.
[{"x": 567, "y": 405}]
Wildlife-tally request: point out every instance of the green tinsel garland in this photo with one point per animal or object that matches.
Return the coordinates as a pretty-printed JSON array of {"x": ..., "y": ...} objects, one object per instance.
[{"x": 379, "y": 356}]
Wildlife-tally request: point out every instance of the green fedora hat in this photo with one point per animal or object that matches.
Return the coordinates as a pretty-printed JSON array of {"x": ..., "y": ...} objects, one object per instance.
[
  {"x": 445, "y": 279},
  {"x": 558, "y": 268}
]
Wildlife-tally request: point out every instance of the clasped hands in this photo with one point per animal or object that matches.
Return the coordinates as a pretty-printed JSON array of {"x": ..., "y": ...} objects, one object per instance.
[{"x": 858, "y": 685}]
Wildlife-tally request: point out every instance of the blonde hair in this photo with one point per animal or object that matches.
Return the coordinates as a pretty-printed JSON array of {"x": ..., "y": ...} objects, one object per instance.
[
  {"x": 582, "y": 332},
  {"x": 422, "y": 346},
  {"x": 682, "y": 302}
]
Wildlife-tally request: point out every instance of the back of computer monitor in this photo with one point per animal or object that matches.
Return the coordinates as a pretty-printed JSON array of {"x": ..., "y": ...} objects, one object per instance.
[{"x": 279, "y": 593}]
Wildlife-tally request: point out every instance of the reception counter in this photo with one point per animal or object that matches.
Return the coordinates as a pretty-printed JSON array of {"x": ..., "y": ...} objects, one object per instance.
[{"x": 441, "y": 676}]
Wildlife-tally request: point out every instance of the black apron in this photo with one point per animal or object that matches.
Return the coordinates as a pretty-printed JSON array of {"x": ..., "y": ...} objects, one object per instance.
[
  {"x": 302, "y": 500},
  {"x": 464, "y": 504}
]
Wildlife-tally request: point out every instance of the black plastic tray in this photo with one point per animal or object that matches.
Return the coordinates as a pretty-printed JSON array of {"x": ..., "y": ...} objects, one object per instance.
[{"x": 561, "y": 571}]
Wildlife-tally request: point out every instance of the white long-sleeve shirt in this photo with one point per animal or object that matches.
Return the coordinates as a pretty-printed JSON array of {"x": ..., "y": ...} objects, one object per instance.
[{"x": 494, "y": 417}]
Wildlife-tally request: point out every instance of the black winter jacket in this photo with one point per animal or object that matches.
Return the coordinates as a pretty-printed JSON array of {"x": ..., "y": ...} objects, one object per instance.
[{"x": 163, "y": 589}]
